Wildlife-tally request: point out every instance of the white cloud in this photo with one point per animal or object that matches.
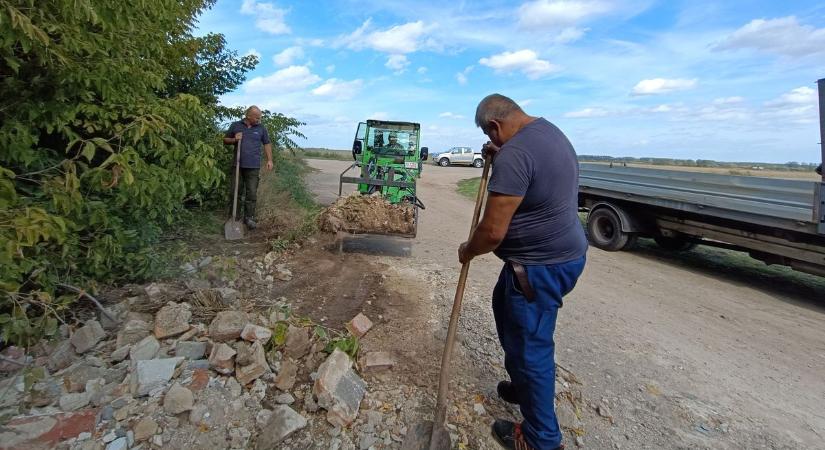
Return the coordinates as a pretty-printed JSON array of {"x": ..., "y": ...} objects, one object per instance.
[
  {"x": 525, "y": 102},
  {"x": 543, "y": 14},
  {"x": 330, "y": 68},
  {"x": 397, "y": 40},
  {"x": 253, "y": 52},
  {"x": 268, "y": 18},
  {"x": 450, "y": 115},
  {"x": 586, "y": 113},
  {"x": 784, "y": 36},
  {"x": 422, "y": 70},
  {"x": 461, "y": 77},
  {"x": 728, "y": 100},
  {"x": 662, "y": 86},
  {"x": 570, "y": 35},
  {"x": 799, "y": 96},
  {"x": 380, "y": 115},
  {"x": 339, "y": 89},
  {"x": 288, "y": 56},
  {"x": 290, "y": 79},
  {"x": 525, "y": 61},
  {"x": 398, "y": 63},
  {"x": 662, "y": 109}
]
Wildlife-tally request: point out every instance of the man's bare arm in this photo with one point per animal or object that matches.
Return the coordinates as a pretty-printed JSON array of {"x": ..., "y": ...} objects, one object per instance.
[
  {"x": 493, "y": 226},
  {"x": 268, "y": 153}
]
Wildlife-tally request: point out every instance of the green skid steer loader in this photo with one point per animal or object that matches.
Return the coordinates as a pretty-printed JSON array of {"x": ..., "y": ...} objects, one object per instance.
[{"x": 389, "y": 159}]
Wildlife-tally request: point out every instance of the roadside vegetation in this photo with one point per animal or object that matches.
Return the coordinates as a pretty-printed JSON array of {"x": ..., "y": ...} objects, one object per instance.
[
  {"x": 323, "y": 153},
  {"x": 110, "y": 132}
]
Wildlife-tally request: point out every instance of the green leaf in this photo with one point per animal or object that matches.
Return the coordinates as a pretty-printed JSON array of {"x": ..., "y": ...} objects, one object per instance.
[{"x": 88, "y": 151}]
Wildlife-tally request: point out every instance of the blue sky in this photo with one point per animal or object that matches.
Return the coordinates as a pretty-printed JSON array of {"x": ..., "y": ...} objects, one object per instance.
[{"x": 727, "y": 80}]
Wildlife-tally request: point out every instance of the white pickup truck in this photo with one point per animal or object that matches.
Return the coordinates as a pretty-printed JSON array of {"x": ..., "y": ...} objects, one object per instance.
[{"x": 460, "y": 155}]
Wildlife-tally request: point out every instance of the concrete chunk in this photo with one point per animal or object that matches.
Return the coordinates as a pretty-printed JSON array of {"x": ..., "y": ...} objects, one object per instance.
[
  {"x": 147, "y": 348},
  {"x": 227, "y": 326},
  {"x": 172, "y": 319},
  {"x": 86, "y": 337},
  {"x": 339, "y": 389},
  {"x": 222, "y": 358},
  {"x": 152, "y": 374},
  {"x": 283, "y": 422},
  {"x": 255, "y": 333}
]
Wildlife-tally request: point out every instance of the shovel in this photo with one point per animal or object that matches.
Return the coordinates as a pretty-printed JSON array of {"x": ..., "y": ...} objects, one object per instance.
[
  {"x": 233, "y": 228},
  {"x": 434, "y": 435}
]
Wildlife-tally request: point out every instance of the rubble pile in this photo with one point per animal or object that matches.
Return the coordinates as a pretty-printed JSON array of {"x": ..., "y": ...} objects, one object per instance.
[{"x": 368, "y": 214}]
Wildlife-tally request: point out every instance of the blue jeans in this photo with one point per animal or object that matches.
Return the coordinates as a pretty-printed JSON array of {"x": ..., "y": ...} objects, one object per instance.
[{"x": 525, "y": 330}]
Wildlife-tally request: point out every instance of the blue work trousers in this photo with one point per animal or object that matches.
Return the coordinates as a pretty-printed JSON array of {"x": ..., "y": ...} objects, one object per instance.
[{"x": 525, "y": 329}]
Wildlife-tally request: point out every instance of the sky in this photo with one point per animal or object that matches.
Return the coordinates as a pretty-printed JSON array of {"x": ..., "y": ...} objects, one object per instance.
[{"x": 726, "y": 80}]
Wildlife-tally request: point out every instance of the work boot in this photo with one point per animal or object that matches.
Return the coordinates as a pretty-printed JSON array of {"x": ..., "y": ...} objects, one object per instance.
[
  {"x": 509, "y": 436},
  {"x": 250, "y": 223},
  {"x": 507, "y": 392}
]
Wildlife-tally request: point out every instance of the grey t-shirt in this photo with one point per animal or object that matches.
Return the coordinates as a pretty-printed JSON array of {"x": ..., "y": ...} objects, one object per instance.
[
  {"x": 254, "y": 138},
  {"x": 539, "y": 164}
]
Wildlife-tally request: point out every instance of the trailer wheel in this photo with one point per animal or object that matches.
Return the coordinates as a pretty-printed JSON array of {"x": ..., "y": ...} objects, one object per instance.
[
  {"x": 604, "y": 230},
  {"x": 674, "y": 244},
  {"x": 443, "y": 162}
]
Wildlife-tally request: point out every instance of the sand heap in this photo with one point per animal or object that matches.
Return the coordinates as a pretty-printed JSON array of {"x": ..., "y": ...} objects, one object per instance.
[{"x": 368, "y": 214}]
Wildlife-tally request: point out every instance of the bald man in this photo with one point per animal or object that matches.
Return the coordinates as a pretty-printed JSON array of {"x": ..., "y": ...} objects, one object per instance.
[
  {"x": 531, "y": 222},
  {"x": 253, "y": 137}
]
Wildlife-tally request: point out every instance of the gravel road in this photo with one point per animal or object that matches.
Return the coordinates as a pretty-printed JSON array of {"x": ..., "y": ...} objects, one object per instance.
[{"x": 669, "y": 355}]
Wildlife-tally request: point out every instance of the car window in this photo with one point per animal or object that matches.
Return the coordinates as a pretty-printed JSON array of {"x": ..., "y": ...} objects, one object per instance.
[
  {"x": 456, "y": 151},
  {"x": 467, "y": 150}
]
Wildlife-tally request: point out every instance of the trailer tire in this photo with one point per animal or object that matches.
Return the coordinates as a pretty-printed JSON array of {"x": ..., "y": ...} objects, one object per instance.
[
  {"x": 478, "y": 163},
  {"x": 443, "y": 162},
  {"x": 674, "y": 244},
  {"x": 604, "y": 231}
]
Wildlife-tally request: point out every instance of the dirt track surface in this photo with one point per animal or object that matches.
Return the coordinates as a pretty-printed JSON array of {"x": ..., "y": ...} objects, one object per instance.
[{"x": 675, "y": 355}]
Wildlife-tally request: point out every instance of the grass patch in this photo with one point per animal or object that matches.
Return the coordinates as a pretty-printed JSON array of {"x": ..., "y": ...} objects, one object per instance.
[{"x": 469, "y": 187}]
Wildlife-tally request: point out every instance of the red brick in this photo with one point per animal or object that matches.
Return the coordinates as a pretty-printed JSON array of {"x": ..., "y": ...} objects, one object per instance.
[
  {"x": 43, "y": 432},
  {"x": 200, "y": 379},
  {"x": 359, "y": 325}
]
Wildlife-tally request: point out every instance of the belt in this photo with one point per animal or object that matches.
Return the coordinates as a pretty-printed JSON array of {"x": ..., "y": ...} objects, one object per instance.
[{"x": 524, "y": 283}]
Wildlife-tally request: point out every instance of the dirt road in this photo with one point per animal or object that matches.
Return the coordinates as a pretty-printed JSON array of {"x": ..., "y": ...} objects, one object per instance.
[{"x": 669, "y": 355}]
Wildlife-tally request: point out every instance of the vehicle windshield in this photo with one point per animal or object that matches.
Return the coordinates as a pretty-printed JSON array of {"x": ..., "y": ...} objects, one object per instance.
[{"x": 386, "y": 141}]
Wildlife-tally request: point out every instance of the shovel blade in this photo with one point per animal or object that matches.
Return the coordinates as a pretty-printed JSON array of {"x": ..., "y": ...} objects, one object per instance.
[
  {"x": 233, "y": 230},
  {"x": 422, "y": 435}
]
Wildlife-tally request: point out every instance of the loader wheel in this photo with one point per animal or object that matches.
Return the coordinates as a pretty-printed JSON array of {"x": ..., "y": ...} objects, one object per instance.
[
  {"x": 443, "y": 162},
  {"x": 604, "y": 230},
  {"x": 478, "y": 163},
  {"x": 674, "y": 244}
]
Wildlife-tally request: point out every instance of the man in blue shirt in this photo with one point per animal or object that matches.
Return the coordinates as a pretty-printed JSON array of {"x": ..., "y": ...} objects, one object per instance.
[
  {"x": 253, "y": 136},
  {"x": 531, "y": 222}
]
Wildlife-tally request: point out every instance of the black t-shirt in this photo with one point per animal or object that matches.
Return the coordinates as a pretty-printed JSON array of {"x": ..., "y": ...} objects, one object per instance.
[{"x": 540, "y": 164}]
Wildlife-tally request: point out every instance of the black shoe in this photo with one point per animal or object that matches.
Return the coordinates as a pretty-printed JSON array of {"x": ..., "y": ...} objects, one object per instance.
[
  {"x": 507, "y": 392},
  {"x": 250, "y": 223},
  {"x": 509, "y": 436}
]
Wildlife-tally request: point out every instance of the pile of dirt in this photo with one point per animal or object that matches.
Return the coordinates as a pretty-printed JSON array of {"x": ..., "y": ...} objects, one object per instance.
[{"x": 368, "y": 214}]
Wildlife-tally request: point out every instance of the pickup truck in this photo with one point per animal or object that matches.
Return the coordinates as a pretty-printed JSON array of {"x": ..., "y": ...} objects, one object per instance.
[
  {"x": 774, "y": 220},
  {"x": 460, "y": 156}
]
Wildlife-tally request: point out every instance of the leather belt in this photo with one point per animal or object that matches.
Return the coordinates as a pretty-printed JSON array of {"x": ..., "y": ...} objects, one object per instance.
[{"x": 524, "y": 283}]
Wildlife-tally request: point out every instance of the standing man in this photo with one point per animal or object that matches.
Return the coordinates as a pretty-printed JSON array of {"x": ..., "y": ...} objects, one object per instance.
[
  {"x": 253, "y": 136},
  {"x": 531, "y": 222}
]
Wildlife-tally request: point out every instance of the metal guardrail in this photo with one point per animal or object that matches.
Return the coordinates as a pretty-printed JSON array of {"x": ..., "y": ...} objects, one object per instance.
[{"x": 787, "y": 204}]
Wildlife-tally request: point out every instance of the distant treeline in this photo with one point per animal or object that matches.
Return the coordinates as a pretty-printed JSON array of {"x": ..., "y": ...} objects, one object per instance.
[
  {"x": 330, "y": 153},
  {"x": 789, "y": 166}
]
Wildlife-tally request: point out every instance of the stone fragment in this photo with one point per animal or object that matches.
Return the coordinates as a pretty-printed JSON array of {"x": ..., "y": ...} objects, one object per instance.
[
  {"x": 227, "y": 326},
  {"x": 244, "y": 353},
  {"x": 178, "y": 399},
  {"x": 239, "y": 438},
  {"x": 132, "y": 332},
  {"x": 45, "y": 431},
  {"x": 155, "y": 290},
  {"x": 14, "y": 357},
  {"x": 287, "y": 375},
  {"x": 118, "y": 444},
  {"x": 222, "y": 359},
  {"x": 359, "y": 325},
  {"x": 255, "y": 333},
  {"x": 283, "y": 422},
  {"x": 120, "y": 354},
  {"x": 262, "y": 418},
  {"x": 285, "y": 399},
  {"x": 45, "y": 393},
  {"x": 72, "y": 402},
  {"x": 228, "y": 295},
  {"x": 377, "y": 361},
  {"x": 62, "y": 356},
  {"x": 152, "y": 374},
  {"x": 282, "y": 273},
  {"x": 147, "y": 348},
  {"x": 87, "y": 336},
  {"x": 145, "y": 429},
  {"x": 297, "y": 342},
  {"x": 172, "y": 319},
  {"x": 339, "y": 389},
  {"x": 200, "y": 379},
  {"x": 258, "y": 366},
  {"x": 192, "y": 350}
]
